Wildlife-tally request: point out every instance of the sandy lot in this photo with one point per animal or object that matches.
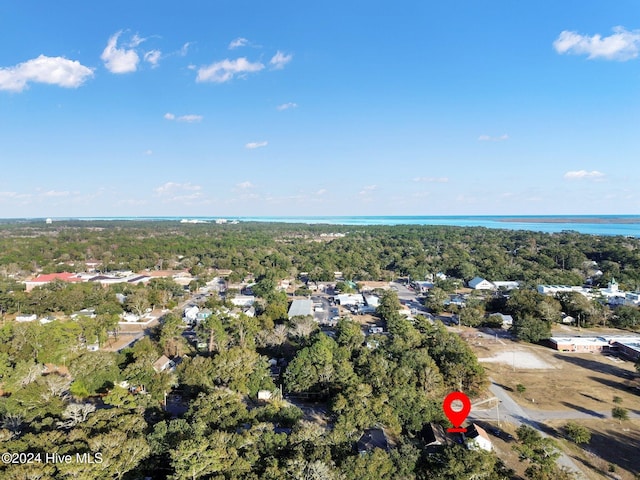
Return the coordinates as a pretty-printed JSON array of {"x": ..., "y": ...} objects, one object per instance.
[{"x": 519, "y": 359}]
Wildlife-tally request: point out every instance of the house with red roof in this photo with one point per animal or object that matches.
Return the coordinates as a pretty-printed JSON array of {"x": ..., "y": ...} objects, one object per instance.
[{"x": 41, "y": 280}]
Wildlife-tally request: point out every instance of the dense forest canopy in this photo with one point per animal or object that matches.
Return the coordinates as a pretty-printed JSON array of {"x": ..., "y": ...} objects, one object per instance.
[
  {"x": 361, "y": 253},
  {"x": 56, "y": 396}
]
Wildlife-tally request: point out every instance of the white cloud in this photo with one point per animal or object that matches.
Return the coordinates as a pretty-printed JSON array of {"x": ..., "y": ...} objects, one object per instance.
[
  {"x": 185, "y": 49},
  {"x": 191, "y": 118},
  {"x": 148, "y": 152},
  {"x": 622, "y": 45},
  {"x": 488, "y": 138},
  {"x": 287, "y": 106},
  {"x": 431, "y": 179},
  {"x": 120, "y": 60},
  {"x": 254, "y": 145},
  {"x": 50, "y": 70},
  {"x": 279, "y": 60},
  {"x": 174, "y": 188},
  {"x": 55, "y": 193},
  {"x": 245, "y": 185},
  {"x": 15, "y": 195},
  {"x": 238, "y": 42},
  {"x": 136, "y": 40},
  {"x": 225, "y": 70},
  {"x": 322, "y": 191},
  {"x": 368, "y": 189},
  {"x": 153, "y": 57},
  {"x": 583, "y": 174}
]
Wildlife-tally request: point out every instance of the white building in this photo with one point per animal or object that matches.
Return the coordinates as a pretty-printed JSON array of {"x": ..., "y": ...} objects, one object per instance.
[
  {"x": 191, "y": 313},
  {"x": 479, "y": 283},
  {"x": 243, "y": 300},
  {"x": 349, "y": 299},
  {"x": 477, "y": 438},
  {"x": 506, "y": 285}
]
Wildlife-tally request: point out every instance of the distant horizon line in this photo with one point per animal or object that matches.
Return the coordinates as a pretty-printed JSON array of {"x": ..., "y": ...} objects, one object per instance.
[
  {"x": 490, "y": 220},
  {"x": 224, "y": 216}
]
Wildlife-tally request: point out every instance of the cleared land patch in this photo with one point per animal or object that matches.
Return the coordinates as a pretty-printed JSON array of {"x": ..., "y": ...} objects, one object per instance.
[{"x": 519, "y": 359}]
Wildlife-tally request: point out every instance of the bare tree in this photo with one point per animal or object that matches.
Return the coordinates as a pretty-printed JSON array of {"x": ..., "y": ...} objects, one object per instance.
[{"x": 76, "y": 413}]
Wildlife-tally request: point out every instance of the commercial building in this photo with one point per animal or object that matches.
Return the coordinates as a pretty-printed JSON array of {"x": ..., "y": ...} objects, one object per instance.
[{"x": 301, "y": 308}]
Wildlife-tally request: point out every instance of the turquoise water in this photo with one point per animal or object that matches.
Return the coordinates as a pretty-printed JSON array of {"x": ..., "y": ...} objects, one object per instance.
[{"x": 628, "y": 225}]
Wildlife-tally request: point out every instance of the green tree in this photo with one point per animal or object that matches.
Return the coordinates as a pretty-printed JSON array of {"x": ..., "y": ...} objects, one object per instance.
[
  {"x": 95, "y": 371},
  {"x": 349, "y": 334},
  {"x": 389, "y": 306},
  {"x": 221, "y": 409},
  {"x": 344, "y": 287},
  {"x": 376, "y": 465},
  {"x": 456, "y": 462},
  {"x": 196, "y": 458},
  {"x": 530, "y": 329},
  {"x": 626, "y": 316},
  {"x": 471, "y": 316},
  {"x": 313, "y": 367},
  {"x": 541, "y": 452},
  {"x": 619, "y": 413},
  {"x": 435, "y": 300},
  {"x": 138, "y": 301},
  {"x": 577, "y": 433}
]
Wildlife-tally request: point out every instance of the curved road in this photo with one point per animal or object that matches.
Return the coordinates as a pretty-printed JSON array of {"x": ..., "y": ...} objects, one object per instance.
[
  {"x": 508, "y": 410},
  {"x": 514, "y": 413}
]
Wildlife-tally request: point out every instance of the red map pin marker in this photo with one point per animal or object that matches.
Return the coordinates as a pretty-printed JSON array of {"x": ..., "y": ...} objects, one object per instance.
[{"x": 458, "y": 417}]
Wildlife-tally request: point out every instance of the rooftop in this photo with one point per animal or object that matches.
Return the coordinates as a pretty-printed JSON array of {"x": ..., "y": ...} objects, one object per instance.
[{"x": 301, "y": 308}]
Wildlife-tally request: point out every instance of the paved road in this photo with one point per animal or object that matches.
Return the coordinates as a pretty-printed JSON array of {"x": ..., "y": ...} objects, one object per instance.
[{"x": 511, "y": 412}]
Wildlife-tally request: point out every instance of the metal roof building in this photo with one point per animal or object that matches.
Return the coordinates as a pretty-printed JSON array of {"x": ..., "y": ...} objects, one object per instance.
[{"x": 301, "y": 308}]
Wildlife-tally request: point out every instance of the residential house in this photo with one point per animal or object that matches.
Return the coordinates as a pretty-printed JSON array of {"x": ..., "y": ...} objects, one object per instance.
[
  {"x": 243, "y": 300},
  {"x": 203, "y": 314},
  {"x": 164, "y": 363},
  {"x": 477, "y": 438},
  {"x": 190, "y": 314},
  {"x": 371, "y": 439},
  {"x": 434, "y": 437}
]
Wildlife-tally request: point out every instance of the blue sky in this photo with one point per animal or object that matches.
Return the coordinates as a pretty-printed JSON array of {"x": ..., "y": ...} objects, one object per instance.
[{"x": 237, "y": 108}]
